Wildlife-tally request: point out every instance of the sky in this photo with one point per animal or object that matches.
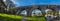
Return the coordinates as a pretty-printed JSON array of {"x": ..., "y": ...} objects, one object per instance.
[
  {"x": 32, "y": 2},
  {"x": 34, "y": 11}
]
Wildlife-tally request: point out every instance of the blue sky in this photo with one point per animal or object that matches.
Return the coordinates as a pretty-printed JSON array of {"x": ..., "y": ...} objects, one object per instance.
[{"x": 31, "y": 2}]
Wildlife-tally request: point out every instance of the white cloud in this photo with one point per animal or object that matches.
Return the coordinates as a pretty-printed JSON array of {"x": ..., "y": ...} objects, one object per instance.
[
  {"x": 14, "y": 2},
  {"x": 4, "y": 0}
]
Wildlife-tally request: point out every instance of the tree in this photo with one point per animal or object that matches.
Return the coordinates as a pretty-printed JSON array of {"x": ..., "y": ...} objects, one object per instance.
[
  {"x": 2, "y": 6},
  {"x": 10, "y": 5}
]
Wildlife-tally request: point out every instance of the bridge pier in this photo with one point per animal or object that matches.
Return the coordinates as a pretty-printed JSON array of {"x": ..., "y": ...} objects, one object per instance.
[
  {"x": 56, "y": 11},
  {"x": 29, "y": 12},
  {"x": 43, "y": 12},
  {"x": 18, "y": 12}
]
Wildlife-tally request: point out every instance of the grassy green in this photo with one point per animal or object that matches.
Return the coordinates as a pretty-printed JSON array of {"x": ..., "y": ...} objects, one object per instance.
[{"x": 7, "y": 17}]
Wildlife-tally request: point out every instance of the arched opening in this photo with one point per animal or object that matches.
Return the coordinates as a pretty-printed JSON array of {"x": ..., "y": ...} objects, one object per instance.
[
  {"x": 24, "y": 13},
  {"x": 49, "y": 12},
  {"x": 59, "y": 13},
  {"x": 36, "y": 12}
]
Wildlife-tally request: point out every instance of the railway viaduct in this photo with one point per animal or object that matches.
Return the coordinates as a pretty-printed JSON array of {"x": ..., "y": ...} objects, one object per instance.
[{"x": 29, "y": 9}]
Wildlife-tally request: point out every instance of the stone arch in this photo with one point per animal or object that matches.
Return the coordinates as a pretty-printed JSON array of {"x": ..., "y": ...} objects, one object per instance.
[
  {"x": 36, "y": 12},
  {"x": 24, "y": 13},
  {"x": 49, "y": 12},
  {"x": 59, "y": 13},
  {"x": 18, "y": 11}
]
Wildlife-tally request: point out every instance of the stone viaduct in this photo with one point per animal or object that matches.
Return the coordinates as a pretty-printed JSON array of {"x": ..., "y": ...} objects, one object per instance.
[{"x": 29, "y": 9}]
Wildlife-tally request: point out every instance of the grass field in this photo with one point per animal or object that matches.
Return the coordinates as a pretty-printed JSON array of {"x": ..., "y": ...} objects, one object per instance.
[{"x": 7, "y": 17}]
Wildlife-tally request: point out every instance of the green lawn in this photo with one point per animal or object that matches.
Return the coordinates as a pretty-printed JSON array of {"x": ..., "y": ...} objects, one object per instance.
[{"x": 7, "y": 17}]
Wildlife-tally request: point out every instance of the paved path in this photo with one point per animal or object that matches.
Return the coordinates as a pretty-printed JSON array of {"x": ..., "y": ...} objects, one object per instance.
[{"x": 56, "y": 20}]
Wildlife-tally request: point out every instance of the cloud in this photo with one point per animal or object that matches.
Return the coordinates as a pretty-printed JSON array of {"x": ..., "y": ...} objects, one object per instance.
[
  {"x": 14, "y": 2},
  {"x": 4, "y": 0}
]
